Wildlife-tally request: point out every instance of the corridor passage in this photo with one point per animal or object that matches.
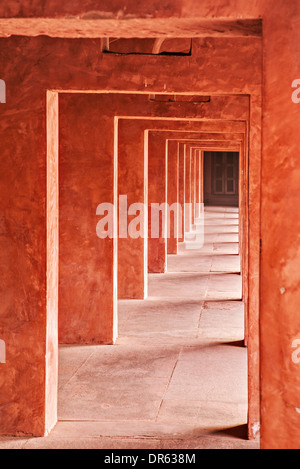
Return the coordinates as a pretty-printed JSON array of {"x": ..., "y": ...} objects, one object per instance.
[{"x": 177, "y": 377}]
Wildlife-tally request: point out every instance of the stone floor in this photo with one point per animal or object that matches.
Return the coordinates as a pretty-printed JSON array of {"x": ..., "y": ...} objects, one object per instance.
[{"x": 177, "y": 377}]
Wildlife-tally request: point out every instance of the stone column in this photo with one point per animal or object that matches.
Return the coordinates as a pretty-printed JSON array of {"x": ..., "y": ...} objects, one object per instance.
[
  {"x": 188, "y": 189},
  {"x": 173, "y": 196},
  {"x": 88, "y": 257},
  {"x": 157, "y": 197},
  {"x": 182, "y": 157},
  {"x": 132, "y": 183}
]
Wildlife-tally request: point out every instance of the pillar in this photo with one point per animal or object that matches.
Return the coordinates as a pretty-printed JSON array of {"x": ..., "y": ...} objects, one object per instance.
[
  {"x": 181, "y": 192},
  {"x": 188, "y": 189},
  {"x": 193, "y": 184},
  {"x": 198, "y": 183},
  {"x": 157, "y": 194},
  {"x": 132, "y": 183},
  {"x": 88, "y": 263},
  {"x": 173, "y": 197}
]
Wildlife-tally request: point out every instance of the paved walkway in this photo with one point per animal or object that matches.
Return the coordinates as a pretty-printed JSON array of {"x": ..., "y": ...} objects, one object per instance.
[{"x": 177, "y": 377}]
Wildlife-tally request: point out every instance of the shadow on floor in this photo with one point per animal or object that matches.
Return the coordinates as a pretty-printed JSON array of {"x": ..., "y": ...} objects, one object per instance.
[
  {"x": 240, "y": 432},
  {"x": 237, "y": 343}
]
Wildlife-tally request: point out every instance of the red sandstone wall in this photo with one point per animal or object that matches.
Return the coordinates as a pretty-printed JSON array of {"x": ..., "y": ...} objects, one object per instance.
[{"x": 23, "y": 136}]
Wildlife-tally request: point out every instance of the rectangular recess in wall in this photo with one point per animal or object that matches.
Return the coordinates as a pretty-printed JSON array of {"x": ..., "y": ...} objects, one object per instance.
[{"x": 148, "y": 46}]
